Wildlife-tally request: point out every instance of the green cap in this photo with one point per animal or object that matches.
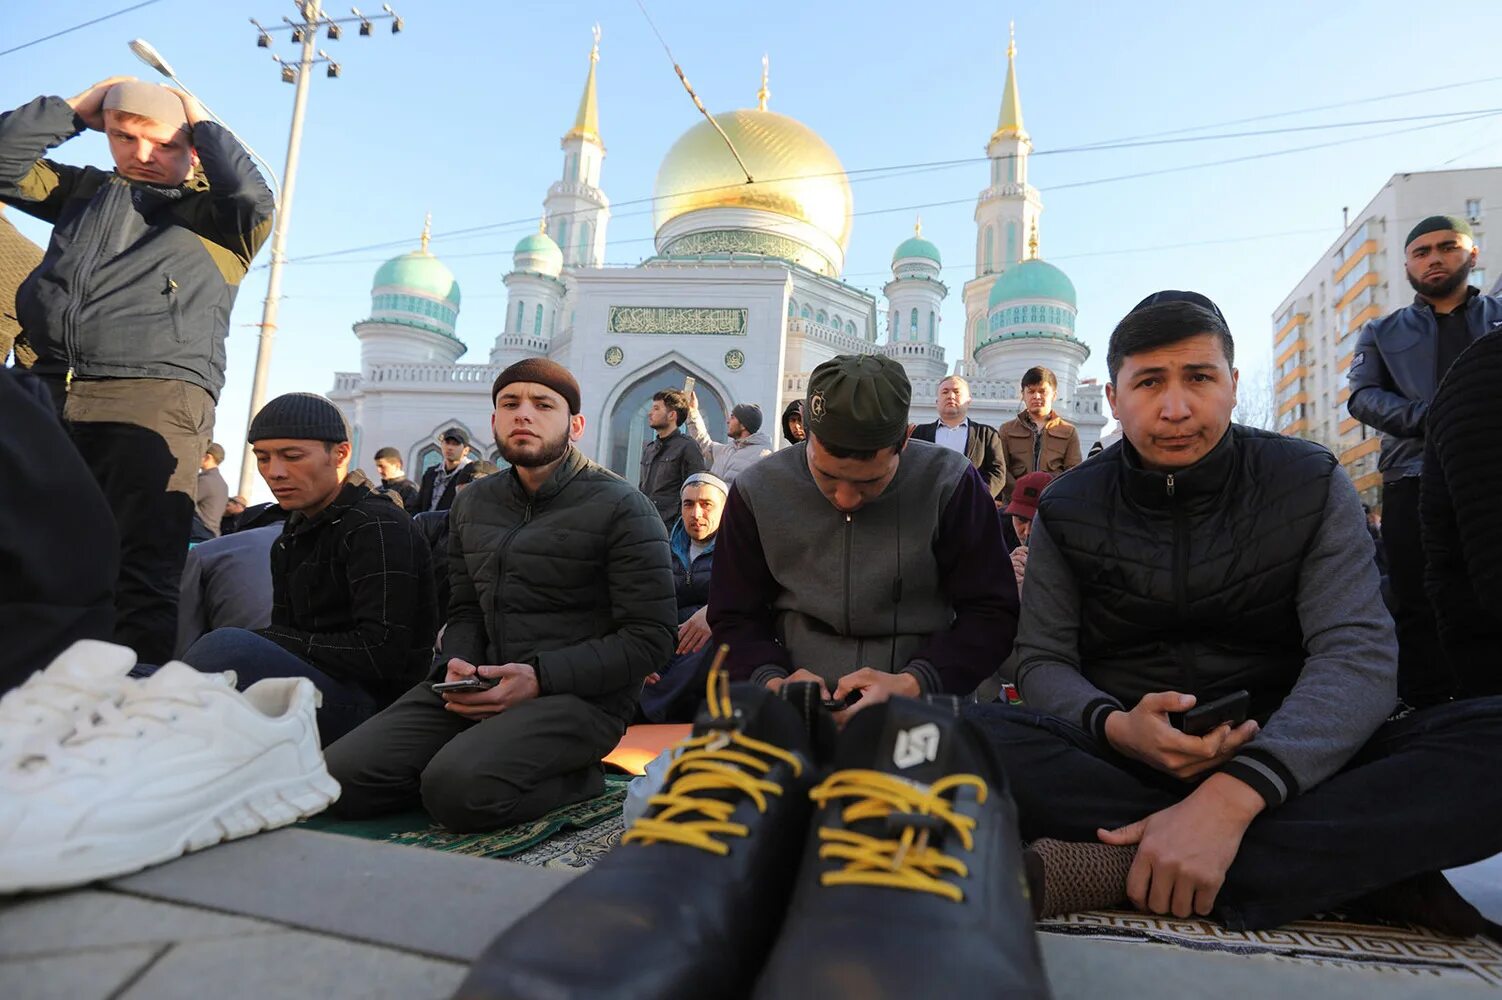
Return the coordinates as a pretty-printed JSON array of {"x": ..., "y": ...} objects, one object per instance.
[{"x": 858, "y": 401}]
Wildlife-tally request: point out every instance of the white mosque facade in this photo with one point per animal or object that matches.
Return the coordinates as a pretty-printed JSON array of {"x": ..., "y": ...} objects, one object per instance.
[{"x": 744, "y": 294}]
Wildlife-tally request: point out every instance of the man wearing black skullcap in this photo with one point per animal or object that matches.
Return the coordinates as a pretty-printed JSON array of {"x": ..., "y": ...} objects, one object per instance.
[
  {"x": 861, "y": 560},
  {"x": 352, "y": 604},
  {"x": 747, "y": 444},
  {"x": 1398, "y": 363},
  {"x": 129, "y": 310},
  {"x": 561, "y": 603},
  {"x": 1208, "y": 669}
]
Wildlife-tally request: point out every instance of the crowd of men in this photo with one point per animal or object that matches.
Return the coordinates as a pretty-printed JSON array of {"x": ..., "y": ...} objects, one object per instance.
[{"x": 483, "y": 638}]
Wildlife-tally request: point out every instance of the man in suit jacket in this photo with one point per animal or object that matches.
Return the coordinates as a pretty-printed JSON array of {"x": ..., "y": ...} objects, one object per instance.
[{"x": 956, "y": 431}]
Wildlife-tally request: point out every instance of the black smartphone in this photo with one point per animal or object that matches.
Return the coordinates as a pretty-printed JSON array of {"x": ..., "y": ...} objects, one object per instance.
[
  {"x": 1202, "y": 719},
  {"x": 840, "y": 704},
  {"x": 468, "y": 684}
]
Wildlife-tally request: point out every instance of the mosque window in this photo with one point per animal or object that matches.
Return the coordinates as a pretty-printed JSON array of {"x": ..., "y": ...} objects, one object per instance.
[
  {"x": 850, "y": 329},
  {"x": 822, "y": 318},
  {"x": 569, "y": 162},
  {"x": 930, "y": 325},
  {"x": 585, "y": 233},
  {"x": 792, "y": 308},
  {"x": 537, "y": 322},
  {"x": 806, "y": 313},
  {"x": 990, "y": 254},
  {"x": 912, "y": 324},
  {"x": 562, "y": 239},
  {"x": 1012, "y": 254},
  {"x": 836, "y": 322},
  {"x": 521, "y": 314}
]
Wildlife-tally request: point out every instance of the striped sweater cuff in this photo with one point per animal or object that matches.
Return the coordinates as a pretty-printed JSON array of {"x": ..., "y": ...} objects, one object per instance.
[
  {"x": 1266, "y": 775},
  {"x": 1094, "y": 718},
  {"x": 927, "y": 677},
  {"x": 767, "y": 672}
]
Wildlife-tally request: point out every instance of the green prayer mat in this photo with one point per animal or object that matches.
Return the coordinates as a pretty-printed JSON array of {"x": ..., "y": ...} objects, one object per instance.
[{"x": 415, "y": 829}]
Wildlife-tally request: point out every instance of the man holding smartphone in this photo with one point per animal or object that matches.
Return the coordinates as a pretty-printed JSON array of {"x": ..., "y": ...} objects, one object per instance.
[
  {"x": 561, "y": 604},
  {"x": 1203, "y": 565}
]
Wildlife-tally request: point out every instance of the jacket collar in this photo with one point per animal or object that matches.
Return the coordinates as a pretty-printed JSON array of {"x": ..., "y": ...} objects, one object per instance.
[
  {"x": 1472, "y": 293},
  {"x": 1192, "y": 485},
  {"x": 756, "y": 440},
  {"x": 681, "y": 542},
  {"x": 572, "y": 464},
  {"x": 1026, "y": 420},
  {"x": 349, "y": 494}
]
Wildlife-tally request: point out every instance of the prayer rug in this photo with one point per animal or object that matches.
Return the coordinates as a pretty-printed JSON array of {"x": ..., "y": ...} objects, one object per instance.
[
  {"x": 415, "y": 829},
  {"x": 1331, "y": 942}
]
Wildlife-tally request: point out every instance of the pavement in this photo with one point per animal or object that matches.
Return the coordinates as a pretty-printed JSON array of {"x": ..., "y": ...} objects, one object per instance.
[{"x": 297, "y": 913}]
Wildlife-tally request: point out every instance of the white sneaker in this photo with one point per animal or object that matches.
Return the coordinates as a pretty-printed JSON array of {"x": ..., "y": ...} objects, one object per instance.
[
  {"x": 183, "y": 762},
  {"x": 53, "y": 702}
]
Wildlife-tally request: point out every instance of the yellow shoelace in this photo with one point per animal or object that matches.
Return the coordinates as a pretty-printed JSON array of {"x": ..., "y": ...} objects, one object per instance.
[
  {"x": 723, "y": 760},
  {"x": 907, "y": 861}
]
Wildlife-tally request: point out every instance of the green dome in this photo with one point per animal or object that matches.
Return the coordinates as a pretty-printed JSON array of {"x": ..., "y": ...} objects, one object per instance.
[
  {"x": 1032, "y": 279},
  {"x": 916, "y": 246},
  {"x": 420, "y": 272},
  {"x": 538, "y": 252}
]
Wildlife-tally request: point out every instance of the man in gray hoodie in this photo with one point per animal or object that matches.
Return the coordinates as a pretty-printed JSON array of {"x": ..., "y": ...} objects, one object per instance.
[
  {"x": 1199, "y": 562},
  {"x": 746, "y": 446}
]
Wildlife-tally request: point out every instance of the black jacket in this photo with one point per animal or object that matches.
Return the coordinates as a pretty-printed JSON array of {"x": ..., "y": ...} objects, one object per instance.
[
  {"x": 407, "y": 490},
  {"x": 352, "y": 593},
  {"x": 465, "y": 475},
  {"x": 138, "y": 280},
  {"x": 665, "y": 464},
  {"x": 1462, "y": 519},
  {"x": 576, "y": 581},
  {"x": 982, "y": 447},
  {"x": 1393, "y": 377},
  {"x": 434, "y": 525}
]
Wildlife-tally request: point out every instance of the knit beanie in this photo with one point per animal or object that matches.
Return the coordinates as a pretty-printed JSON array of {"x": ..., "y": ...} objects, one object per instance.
[
  {"x": 299, "y": 416},
  {"x": 543, "y": 372},
  {"x": 749, "y": 414},
  {"x": 858, "y": 401},
  {"x": 150, "y": 100},
  {"x": 705, "y": 479},
  {"x": 1439, "y": 223}
]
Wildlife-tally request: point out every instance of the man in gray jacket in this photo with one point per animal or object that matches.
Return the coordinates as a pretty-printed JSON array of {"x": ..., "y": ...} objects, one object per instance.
[
  {"x": 1397, "y": 365},
  {"x": 746, "y": 446},
  {"x": 561, "y": 604},
  {"x": 1200, "y": 563},
  {"x": 129, "y": 310}
]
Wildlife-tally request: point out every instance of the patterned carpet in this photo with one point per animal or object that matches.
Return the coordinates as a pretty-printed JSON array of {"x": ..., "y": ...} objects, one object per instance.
[{"x": 1330, "y": 942}]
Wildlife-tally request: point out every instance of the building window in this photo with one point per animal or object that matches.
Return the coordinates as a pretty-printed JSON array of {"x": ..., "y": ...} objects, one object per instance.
[
  {"x": 930, "y": 325},
  {"x": 836, "y": 322},
  {"x": 562, "y": 238},
  {"x": 585, "y": 232},
  {"x": 850, "y": 329},
  {"x": 893, "y": 327},
  {"x": 822, "y": 319},
  {"x": 521, "y": 315},
  {"x": 806, "y": 313},
  {"x": 792, "y": 308},
  {"x": 1473, "y": 209},
  {"x": 537, "y": 322},
  {"x": 990, "y": 253},
  {"x": 912, "y": 325},
  {"x": 569, "y": 163}
]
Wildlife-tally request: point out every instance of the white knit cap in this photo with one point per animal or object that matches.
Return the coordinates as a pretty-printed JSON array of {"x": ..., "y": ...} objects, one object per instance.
[{"x": 150, "y": 100}]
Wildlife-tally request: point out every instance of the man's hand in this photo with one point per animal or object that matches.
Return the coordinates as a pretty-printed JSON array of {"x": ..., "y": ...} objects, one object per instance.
[
  {"x": 693, "y": 402},
  {"x": 1145, "y": 734},
  {"x": 776, "y": 683},
  {"x": 1019, "y": 562},
  {"x": 516, "y": 683},
  {"x": 89, "y": 105},
  {"x": 191, "y": 107},
  {"x": 1185, "y": 850},
  {"x": 651, "y": 678},
  {"x": 694, "y": 633},
  {"x": 875, "y": 687}
]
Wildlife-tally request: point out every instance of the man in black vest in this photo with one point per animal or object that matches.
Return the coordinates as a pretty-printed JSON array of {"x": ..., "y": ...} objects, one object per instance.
[{"x": 1195, "y": 560}]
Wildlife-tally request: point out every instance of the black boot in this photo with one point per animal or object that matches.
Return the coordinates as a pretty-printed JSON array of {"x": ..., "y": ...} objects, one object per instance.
[
  {"x": 912, "y": 882},
  {"x": 690, "y": 901}
]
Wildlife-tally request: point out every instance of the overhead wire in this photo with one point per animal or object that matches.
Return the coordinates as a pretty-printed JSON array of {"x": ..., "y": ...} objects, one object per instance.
[{"x": 76, "y": 27}]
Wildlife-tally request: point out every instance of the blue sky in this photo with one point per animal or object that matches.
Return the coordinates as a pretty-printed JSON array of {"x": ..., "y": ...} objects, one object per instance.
[{"x": 461, "y": 114}]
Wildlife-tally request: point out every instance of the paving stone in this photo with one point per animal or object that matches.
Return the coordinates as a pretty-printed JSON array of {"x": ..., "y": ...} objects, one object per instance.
[
  {"x": 94, "y": 919},
  {"x": 294, "y": 964},
  {"x": 443, "y": 905},
  {"x": 77, "y": 975}
]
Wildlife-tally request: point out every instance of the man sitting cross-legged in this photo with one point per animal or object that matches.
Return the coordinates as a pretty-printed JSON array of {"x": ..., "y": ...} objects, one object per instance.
[
  {"x": 859, "y": 559},
  {"x": 1191, "y": 561},
  {"x": 561, "y": 593},
  {"x": 352, "y": 604}
]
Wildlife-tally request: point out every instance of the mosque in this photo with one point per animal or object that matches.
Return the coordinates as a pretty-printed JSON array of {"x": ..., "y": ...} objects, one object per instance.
[{"x": 744, "y": 294}]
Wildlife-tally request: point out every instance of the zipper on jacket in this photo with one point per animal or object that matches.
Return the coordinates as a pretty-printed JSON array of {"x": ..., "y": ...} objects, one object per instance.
[
  {"x": 849, "y": 530},
  {"x": 85, "y": 272},
  {"x": 1182, "y": 651},
  {"x": 500, "y": 568}
]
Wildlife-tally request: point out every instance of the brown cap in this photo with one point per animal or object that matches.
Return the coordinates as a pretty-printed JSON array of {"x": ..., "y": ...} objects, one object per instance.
[{"x": 1026, "y": 493}]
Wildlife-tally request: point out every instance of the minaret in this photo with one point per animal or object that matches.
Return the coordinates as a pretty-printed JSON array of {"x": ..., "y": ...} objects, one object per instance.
[
  {"x": 534, "y": 299},
  {"x": 414, "y": 309},
  {"x": 577, "y": 209},
  {"x": 1006, "y": 211},
  {"x": 914, "y": 297}
]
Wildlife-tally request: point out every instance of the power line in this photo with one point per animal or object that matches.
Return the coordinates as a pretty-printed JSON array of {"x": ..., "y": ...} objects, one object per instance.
[{"x": 76, "y": 27}]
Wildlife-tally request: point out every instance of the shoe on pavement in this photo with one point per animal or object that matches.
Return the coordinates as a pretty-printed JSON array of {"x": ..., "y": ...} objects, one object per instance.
[
  {"x": 53, "y": 701},
  {"x": 911, "y": 883},
  {"x": 183, "y": 761},
  {"x": 688, "y": 904}
]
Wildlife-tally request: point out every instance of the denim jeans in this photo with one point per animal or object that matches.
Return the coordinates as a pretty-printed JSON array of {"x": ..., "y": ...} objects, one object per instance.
[
  {"x": 1420, "y": 796},
  {"x": 254, "y": 658}
]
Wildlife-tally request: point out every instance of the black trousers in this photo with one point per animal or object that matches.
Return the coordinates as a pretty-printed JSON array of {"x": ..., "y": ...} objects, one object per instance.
[
  {"x": 1424, "y": 673},
  {"x": 1421, "y": 796},
  {"x": 510, "y": 768},
  {"x": 143, "y": 440}
]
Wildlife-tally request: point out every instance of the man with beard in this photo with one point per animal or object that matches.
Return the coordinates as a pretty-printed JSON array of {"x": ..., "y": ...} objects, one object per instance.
[
  {"x": 561, "y": 604},
  {"x": 1398, "y": 363}
]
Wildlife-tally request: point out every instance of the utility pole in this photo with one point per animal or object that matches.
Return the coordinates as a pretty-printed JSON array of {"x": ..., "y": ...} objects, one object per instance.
[{"x": 305, "y": 33}]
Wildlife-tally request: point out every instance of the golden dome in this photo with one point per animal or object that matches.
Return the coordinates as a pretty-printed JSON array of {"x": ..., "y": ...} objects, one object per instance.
[{"x": 796, "y": 173}]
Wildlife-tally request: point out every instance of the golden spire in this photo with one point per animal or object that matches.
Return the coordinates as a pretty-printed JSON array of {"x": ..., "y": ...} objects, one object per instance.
[
  {"x": 427, "y": 231},
  {"x": 542, "y": 224},
  {"x": 1032, "y": 242},
  {"x": 918, "y": 226},
  {"x": 587, "y": 121},
  {"x": 1009, "y": 124},
  {"x": 764, "y": 92}
]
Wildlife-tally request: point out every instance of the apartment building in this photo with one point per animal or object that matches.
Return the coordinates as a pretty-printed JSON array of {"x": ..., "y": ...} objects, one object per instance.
[{"x": 1358, "y": 279}]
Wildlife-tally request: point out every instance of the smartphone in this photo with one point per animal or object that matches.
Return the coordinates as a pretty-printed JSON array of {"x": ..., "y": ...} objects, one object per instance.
[
  {"x": 468, "y": 684},
  {"x": 840, "y": 704},
  {"x": 1202, "y": 719},
  {"x": 688, "y": 385}
]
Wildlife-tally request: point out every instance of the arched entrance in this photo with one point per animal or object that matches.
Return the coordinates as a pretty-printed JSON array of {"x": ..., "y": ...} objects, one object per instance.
[{"x": 628, "y": 418}]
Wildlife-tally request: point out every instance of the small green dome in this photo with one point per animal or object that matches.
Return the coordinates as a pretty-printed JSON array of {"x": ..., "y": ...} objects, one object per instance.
[
  {"x": 538, "y": 252},
  {"x": 1032, "y": 279},
  {"x": 916, "y": 246},
  {"x": 420, "y": 272}
]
